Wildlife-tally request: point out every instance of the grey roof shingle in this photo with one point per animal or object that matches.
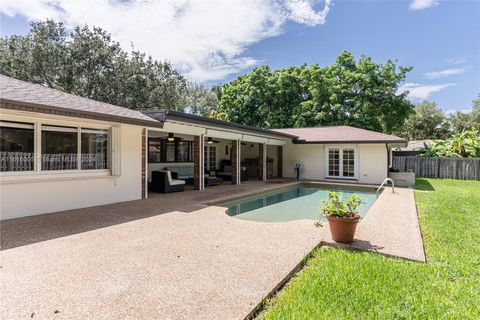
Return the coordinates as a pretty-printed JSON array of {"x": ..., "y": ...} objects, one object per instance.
[
  {"x": 340, "y": 134},
  {"x": 47, "y": 100}
]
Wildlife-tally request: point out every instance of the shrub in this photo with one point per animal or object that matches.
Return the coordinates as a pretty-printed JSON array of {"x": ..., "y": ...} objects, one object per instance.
[
  {"x": 342, "y": 208},
  {"x": 464, "y": 145}
]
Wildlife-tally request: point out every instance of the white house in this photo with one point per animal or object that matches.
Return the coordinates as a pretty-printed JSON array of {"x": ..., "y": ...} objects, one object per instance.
[{"x": 59, "y": 151}]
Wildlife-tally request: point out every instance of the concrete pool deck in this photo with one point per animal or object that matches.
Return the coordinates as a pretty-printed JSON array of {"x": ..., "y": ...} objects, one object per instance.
[
  {"x": 170, "y": 257},
  {"x": 391, "y": 227}
]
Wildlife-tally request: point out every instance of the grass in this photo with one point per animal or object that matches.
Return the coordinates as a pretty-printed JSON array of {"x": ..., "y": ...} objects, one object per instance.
[{"x": 342, "y": 284}]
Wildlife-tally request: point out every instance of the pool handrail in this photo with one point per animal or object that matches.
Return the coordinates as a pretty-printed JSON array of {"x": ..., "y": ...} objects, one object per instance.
[{"x": 385, "y": 181}]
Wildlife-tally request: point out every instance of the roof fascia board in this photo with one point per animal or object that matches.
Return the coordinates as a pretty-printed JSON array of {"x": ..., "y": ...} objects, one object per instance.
[
  {"x": 61, "y": 111},
  {"x": 350, "y": 142}
]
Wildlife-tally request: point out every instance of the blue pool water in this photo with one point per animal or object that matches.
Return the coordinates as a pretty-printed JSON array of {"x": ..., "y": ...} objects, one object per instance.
[{"x": 293, "y": 203}]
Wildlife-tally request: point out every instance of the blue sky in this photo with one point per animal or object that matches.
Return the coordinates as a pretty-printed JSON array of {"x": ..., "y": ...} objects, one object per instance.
[{"x": 440, "y": 39}]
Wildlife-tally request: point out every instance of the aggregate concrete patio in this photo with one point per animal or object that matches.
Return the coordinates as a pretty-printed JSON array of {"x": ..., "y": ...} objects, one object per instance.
[{"x": 167, "y": 257}]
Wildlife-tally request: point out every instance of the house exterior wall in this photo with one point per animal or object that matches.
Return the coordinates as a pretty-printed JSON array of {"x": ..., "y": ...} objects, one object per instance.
[
  {"x": 373, "y": 163},
  {"x": 272, "y": 153},
  {"x": 310, "y": 155},
  {"x": 371, "y": 166},
  {"x": 27, "y": 193}
]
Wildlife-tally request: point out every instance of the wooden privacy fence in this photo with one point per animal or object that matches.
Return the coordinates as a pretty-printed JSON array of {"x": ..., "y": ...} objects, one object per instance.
[{"x": 437, "y": 167}]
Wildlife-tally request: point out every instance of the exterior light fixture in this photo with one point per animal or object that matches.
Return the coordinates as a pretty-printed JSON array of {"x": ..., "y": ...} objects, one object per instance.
[{"x": 170, "y": 138}]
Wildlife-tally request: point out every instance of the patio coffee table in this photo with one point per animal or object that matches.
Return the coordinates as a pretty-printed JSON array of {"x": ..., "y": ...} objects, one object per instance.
[{"x": 213, "y": 181}]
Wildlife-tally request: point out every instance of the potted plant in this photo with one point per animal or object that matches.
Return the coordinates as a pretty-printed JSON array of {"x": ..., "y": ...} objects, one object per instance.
[{"x": 342, "y": 216}]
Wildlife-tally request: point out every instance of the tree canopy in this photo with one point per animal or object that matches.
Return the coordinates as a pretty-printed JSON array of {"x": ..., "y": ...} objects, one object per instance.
[
  {"x": 88, "y": 63},
  {"x": 360, "y": 93},
  {"x": 461, "y": 121},
  {"x": 430, "y": 122},
  {"x": 426, "y": 122}
]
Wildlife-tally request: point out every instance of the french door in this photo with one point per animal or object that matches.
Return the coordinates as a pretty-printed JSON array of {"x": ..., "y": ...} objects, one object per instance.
[{"x": 341, "y": 162}]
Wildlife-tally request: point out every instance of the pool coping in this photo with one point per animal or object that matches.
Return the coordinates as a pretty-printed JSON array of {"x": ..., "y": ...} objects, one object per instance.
[{"x": 288, "y": 184}]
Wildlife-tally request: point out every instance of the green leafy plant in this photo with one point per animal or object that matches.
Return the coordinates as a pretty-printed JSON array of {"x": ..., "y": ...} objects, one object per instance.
[
  {"x": 343, "y": 208},
  {"x": 465, "y": 144}
]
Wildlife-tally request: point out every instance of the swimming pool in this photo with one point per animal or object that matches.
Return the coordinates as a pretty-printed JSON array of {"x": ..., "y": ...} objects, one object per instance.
[{"x": 293, "y": 203}]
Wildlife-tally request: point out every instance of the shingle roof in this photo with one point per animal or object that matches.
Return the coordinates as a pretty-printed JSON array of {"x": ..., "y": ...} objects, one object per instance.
[
  {"x": 340, "y": 134},
  {"x": 416, "y": 145},
  {"x": 46, "y": 100}
]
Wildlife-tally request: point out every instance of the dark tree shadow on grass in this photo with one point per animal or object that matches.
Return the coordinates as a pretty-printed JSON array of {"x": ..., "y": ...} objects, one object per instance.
[{"x": 423, "y": 185}]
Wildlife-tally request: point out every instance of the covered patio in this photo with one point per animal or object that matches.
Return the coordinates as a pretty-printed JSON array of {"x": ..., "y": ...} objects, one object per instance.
[{"x": 201, "y": 150}]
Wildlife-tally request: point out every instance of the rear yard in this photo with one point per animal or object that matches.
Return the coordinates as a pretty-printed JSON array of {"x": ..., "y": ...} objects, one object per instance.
[{"x": 342, "y": 284}]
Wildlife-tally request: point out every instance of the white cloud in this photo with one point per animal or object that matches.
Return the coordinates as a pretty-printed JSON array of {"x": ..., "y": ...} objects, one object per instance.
[
  {"x": 458, "y": 60},
  {"x": 443, "y": 73},
  {"x": 303, "y": 12},
  {"x": 423, "y": 4},
  {"x": 418, "y": 91},
  {"x": 204, "y": 39}
]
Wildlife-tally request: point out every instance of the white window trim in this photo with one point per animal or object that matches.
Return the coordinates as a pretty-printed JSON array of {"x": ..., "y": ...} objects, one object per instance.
[
  {"x": 356, "y": 161},
  {"x": 43, "y": 175}
]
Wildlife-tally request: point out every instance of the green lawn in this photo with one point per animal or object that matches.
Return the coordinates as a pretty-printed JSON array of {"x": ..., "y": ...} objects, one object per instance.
[{"x": 342, "y": 284}]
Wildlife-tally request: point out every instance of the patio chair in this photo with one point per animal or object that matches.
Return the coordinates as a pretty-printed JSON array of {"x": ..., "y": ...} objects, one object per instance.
[{"x": 162, "y": 182}]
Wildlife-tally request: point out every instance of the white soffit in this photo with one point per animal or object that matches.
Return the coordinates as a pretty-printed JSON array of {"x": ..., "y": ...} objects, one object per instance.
[
  {"x": 250, "y": 138},
  {"x": 182, "y": 128},
  {"x": 277, "y": 142},
  {"x": 222, "y": 134}
]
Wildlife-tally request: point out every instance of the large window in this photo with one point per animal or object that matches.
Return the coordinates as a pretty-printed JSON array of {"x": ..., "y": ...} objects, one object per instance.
[
  {"x": 16, "y": 146},
  {"x": 94, "y": 149},
  {"x": 59, "y": 148},
  {"x": 154, "y": 147},
  {"x": 341, "y": 162},
  {"x": 163, "y": 151}
]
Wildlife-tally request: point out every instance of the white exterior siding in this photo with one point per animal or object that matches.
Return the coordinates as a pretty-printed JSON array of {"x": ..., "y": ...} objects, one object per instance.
[
  {"x": 310, "y": 155},
  {"x": 373, "y": 163},
  {"x": 30, "y": 193},
  {"x": 371, "y": 166}
]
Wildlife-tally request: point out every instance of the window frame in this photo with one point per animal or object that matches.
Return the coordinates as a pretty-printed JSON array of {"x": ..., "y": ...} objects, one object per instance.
[
  {"x": 19, "y": 124},
  {"x": 163, "y": 151},
  {"x": 340, "y": 149},
  {"x": 38, "y": 173}
]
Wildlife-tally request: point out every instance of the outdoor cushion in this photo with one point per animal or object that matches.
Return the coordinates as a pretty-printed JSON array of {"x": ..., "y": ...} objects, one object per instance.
[
  {"x": 227, "y": 169},
  {"x": 177, "y": 182},
  {"x": 183, "y": 172},
  {"x": 173, "y": 182}
]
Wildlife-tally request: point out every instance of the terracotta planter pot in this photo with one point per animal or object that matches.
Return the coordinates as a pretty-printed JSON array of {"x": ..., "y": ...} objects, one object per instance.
[{"x": 343, "y": 229}]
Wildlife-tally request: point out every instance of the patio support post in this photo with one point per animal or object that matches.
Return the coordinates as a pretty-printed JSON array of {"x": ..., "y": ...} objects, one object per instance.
[
  {"x": 262, "y": 161},
  {"x": 239, "y": 162},
  {"x": 234, "y": 160},
  {"x": 280, "y": 161},
  {"x": 198, "y": 162},
  {"x": 144, "y": 163}
]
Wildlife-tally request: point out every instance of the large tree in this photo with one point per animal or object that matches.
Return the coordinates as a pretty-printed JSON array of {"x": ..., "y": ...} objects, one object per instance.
[
  {"x": 427, "y": 122},
  {"x": 461, "y": 121},
  {"x": 200, "y": 100},
  {"x": 359, "y": 93},
  {"x": 87, "y": 62}
]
